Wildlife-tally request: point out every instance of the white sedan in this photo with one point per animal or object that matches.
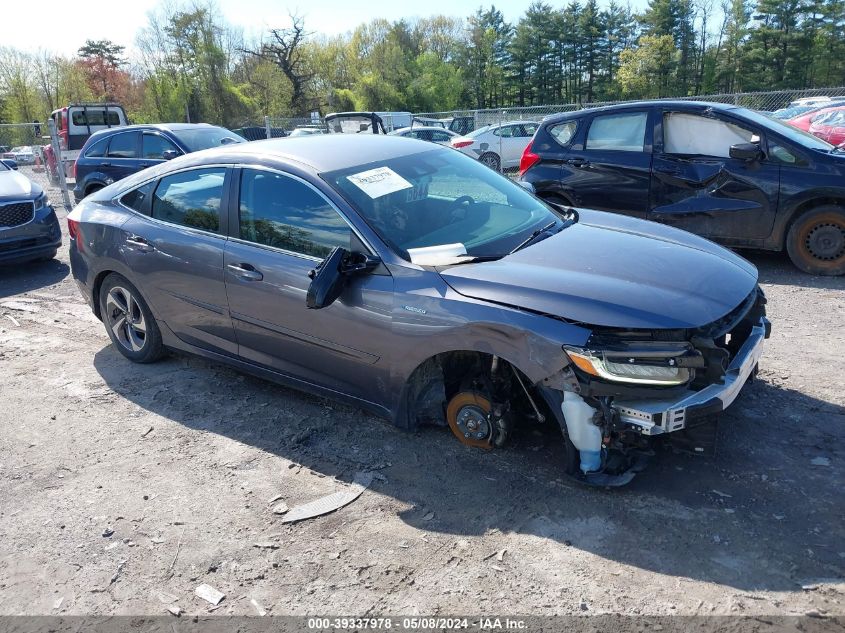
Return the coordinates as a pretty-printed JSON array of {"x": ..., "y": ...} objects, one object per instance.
[
  {"x": 497, "y": 146},
  {"x": 427, "y": 133}
]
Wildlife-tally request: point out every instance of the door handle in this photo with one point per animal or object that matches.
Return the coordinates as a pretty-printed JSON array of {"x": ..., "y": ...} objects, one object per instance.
[
  {"x": 578, "y": 162},
  {"x": 246, "y": 272},
  {"x": 137, "y": 243},
  {"x": 105, "y": 164}
]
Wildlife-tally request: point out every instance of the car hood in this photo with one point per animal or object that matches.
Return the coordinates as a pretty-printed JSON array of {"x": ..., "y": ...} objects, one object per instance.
[
  {"x": 16, "y": 185},
  {"x": 614, "y": 271}
]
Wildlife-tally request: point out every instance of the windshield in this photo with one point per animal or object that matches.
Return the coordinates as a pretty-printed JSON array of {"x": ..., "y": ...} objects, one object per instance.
[
  {"x": 441, "y": 201},
  {"x": 804, "y": 139},
  {"x": 3, "y": 166},
  {"x": 206, "y": 137}
]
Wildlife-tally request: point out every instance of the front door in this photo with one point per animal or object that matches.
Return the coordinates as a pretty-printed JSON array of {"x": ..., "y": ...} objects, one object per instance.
[
  {"x": 176, "y": 254},
  {"x": 609, "y": 167},
  {"x": 282, "y": 228},
  {"x": 698, "y": 187},
  {"x": 122, "y": 158}
]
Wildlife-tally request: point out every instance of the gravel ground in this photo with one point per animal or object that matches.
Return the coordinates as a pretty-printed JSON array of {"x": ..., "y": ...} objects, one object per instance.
[{"x": 123, "y": 487}]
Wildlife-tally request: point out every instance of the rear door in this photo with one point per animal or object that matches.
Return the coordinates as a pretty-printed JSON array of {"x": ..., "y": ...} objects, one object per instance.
[
  {"x": 174, "y": 246},
  {"x": 698, "y": 187},
  {"x": 608, "y": 167},
  {"x": 281, "y": 228}
]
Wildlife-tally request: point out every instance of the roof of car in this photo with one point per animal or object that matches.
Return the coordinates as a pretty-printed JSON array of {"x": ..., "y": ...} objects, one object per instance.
[
  {"x": 634, "y": 105},
  {"x": 319, "y": 152},
  {"x": 165, "y": 127}
]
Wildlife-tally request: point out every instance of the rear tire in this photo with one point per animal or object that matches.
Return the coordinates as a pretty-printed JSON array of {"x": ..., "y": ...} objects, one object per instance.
[
  {"x": 816, "y": 241},
  {"x": 129, "y": 322},
  {"x": 491, "y": 160},
  {"x": 92, "y": 189}
]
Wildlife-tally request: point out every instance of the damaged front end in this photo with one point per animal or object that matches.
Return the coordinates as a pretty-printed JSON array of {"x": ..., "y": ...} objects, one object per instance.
[{"x": 624, "y": 388}]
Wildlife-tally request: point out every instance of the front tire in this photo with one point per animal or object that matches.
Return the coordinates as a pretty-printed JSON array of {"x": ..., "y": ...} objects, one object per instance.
[
  {"x": 129, "y": 322},
  {"x": 816, "y": 241}
]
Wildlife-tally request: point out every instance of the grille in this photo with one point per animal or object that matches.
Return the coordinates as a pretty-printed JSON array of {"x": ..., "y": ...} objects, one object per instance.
[{"x": 16, "y": 213}]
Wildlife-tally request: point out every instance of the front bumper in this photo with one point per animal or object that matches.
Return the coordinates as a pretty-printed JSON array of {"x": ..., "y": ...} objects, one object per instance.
[
  {"x": 655, "y": 417},
  {"x": 38, "y": 238}
]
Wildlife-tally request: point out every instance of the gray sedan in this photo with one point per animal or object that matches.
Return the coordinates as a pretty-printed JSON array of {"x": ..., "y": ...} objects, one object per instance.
[{"x": 412, "y": 281}]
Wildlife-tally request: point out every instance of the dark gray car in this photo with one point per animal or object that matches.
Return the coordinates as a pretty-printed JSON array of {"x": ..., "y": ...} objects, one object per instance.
[{"x": 414, "y": 282}]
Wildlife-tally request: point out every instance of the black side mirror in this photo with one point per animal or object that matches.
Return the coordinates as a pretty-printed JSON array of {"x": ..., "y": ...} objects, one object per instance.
[
  {"x": 746, "y": 151},
  {"x": 169, "y": 154},
  {"x": 330, "y": 276},
  {"x": 327, "y": 280}
]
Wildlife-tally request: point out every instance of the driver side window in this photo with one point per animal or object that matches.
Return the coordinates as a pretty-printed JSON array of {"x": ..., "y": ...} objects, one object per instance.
[
  {"x": 279, "y": 211},
  {"x": 694, "y": 135}
]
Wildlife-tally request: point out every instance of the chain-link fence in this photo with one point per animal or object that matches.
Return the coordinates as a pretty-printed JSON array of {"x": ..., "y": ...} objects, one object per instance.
[
  {"x": 463, "y": 121},
  {"x": 28, "y": 147}
]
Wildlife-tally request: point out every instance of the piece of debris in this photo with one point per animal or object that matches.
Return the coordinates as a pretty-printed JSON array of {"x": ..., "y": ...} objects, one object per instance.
[
  {"x": 120, "y": 567},
  {"x": 497, "y": 568},
  {"x": 275, "y": 499},
  {"x": 820, "y": 461},
  {"x": 12, "y": 319},
  {"x": 258, "y": 607},
  {"x": 175, "y": 610},
  {"x": 178, "y": 548},
  {"x": 429, "y": 516},
  {"x": 58, "y": 603},
  {"x": 165, "y": 598},
  {"x": 147, "y": 432},
  {"x": 331, "y": 502},
  {"x": 404, "y": 544},
  {"x": 816, "y": 583},
  {"x": 108, "y": 532},
  {"x": 500, "y": 555},
  {"x": 266, "y": 545},
  {"x": 281, "y": 508},
  {"x": 722, "y": 494},
  {"x": 209, "y": 594}
]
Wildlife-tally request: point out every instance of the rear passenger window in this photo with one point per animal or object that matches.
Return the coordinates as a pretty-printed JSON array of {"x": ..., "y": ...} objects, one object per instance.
[
  {"x": 620, "y": 132},
  {"x": 563, "y": 132},
  {"x": 98, "y": 149},
  {"x": 123, "y": 146},
  {"x": 135, "y": 199},
  {"x": 191, "y": 198},
  {"x": 279, "y": 211}
]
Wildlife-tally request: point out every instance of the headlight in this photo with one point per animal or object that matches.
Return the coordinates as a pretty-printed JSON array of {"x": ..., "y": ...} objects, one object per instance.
[
  {"x": 41, "y": 201},
  {"x": 643, "y": 367}
]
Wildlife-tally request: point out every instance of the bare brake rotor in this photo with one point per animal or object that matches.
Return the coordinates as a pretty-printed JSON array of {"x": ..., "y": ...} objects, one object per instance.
[{"x": 468, "y": 414}]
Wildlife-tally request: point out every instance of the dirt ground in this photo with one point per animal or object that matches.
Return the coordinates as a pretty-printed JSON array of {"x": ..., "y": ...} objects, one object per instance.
[{"x": 181, "y": 460}]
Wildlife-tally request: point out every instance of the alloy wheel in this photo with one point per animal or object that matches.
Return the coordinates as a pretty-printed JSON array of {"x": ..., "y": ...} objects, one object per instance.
[{"x": 126, "y": 319}]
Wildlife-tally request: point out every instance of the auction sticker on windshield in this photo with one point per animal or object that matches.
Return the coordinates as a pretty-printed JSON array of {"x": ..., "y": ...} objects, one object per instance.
[{"x": 379, "y": 182}]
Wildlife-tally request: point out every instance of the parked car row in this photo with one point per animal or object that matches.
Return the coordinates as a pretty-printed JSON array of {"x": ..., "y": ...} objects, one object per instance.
[{"x": 410, "y": 280}]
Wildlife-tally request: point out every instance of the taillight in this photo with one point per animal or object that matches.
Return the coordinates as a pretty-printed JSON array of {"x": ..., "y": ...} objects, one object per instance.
[
  {"x": 458, "y": 144},
  {"x": 528, "y": 160},
  {"x": 72, "y": 228}
]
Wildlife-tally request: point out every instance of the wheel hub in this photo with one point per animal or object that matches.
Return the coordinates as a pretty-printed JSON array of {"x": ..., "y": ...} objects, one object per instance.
[
  {"x": 826, "y": 241},
  {"x": 468, "y": 415}
]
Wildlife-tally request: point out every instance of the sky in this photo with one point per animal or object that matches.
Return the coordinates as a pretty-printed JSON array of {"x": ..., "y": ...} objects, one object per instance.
[{"x": 62, "y": 27}]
